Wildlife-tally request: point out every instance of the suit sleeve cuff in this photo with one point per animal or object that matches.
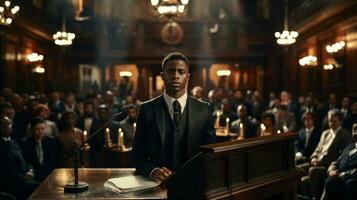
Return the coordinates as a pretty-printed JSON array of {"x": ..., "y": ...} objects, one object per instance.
[{"x": 150, "y": 176}]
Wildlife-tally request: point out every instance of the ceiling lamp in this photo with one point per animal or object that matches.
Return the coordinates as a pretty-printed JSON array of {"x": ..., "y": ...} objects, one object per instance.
[
  {"x": 170, "y": 8},
  {"x": 223, "y": 72},
  {"x": 125, "y": 74},
  {"x": 286, "y": 37},
  {"x": 334, "y": 48},
  {"x": 63, "y": 38},
  {"x": 308, "y": 61},
  {"x": 7, "y": 13}
]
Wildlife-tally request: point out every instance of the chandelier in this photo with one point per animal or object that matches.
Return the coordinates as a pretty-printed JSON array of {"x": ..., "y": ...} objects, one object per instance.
[
  {"x": 286, "y": 37},
  {"x": 7, "y": 13},
  {"x": 170, "y": 8},
  {"x": 63, "y": 38},
  {"x": 336, "y": 47},
  {"x": 308, "y": 61}
]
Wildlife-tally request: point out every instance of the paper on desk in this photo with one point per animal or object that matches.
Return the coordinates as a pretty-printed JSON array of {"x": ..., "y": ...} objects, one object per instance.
[{"x": 130, "y": 184}]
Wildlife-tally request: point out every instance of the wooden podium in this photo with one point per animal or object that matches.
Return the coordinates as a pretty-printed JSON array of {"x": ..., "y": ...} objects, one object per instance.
[{"x": 255, "y": 168}]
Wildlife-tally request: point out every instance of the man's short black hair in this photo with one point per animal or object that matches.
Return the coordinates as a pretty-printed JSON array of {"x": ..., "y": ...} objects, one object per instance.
[
  {"x": 36, "y": 120},
  {"x": 174, "y": 56}
]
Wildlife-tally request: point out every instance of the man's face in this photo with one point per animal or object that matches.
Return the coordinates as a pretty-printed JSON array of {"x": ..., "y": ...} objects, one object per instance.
[
  {"x": 345, "y": 103},
  {"x": 8, "y": 112},
  {"x": 309, "y": 121},
  {"x": 103, "y": 114},
  {"x": 38, "y": 131},
  {"x": 132, "y": 113},
  {"x": 175, "y": 76},
  {"x": 5, "y": 127},
  {"x": 334, "y": 122},
  {"x": 242, "y": 112},
  {"x": 284, "y": 96},
  {"x": 88, "y": 109}
]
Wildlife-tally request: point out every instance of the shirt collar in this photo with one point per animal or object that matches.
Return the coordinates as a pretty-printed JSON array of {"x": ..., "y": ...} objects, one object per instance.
[
  {"x": 309, "y": 130},
  {"x": 335, "y": 131},
  {"x": 6, "y": 139},
  {"x": 170, "y": 100}
]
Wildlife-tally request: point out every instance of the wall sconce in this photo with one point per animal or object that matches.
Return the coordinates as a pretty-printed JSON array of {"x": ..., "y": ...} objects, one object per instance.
[
  {"x": 336, "y": 47},
  {"x": 34, "y": 57},
  {"x": 223, "y": 72},
  {"x": 38, "y": 69},
  {"x": 125, "y": 74},
  {"x": 308, "y": 61}
]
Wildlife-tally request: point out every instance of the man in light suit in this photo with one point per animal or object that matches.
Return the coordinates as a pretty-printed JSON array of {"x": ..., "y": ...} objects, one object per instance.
[
  {"x": 331, "y": 144},
  {"x": 342, "y": 174},
  {"x": 170, "y": 128}
]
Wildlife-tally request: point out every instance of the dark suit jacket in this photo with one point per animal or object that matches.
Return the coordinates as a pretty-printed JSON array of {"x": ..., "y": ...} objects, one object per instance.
[
  {"x": 128, "y": 130},
  {"x": 311, "y": 145},
  {"x": 13, "y": 166},
  {"x": 80, "y": 123},
  {"x": 346, "y": 163},
  {"x": 149, "y": 141},
  {"x": 50, "y": 156},
  {"x": 341, "y": 140}
]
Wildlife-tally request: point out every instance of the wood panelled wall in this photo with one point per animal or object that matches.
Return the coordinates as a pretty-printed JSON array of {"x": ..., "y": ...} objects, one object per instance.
[{"x": 315, "y": 33}]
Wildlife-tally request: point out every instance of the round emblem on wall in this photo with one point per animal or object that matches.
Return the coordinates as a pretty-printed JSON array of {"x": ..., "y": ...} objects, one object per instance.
[{"x": 172, "y": 33}]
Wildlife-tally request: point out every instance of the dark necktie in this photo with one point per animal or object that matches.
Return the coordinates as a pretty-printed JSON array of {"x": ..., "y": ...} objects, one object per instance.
[{"x": 177, "y": 112}]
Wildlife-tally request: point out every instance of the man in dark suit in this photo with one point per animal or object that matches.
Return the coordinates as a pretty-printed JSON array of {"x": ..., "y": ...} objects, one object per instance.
[
  {"x": 309, "y": 137},
  {"x": 331, "y": 144},
  {"x": 342, "y": 174},
  {"x": 15, "y": 175},
  {"x": 88, "y": 120},
  {"x": 171, "y": 127},
  {"x": 249, "y": 127},
  {"x": 39, "y": 150}
]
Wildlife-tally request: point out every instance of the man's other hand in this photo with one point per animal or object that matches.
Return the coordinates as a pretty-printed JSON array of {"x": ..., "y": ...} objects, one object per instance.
[{"x": 160, "y": 174}]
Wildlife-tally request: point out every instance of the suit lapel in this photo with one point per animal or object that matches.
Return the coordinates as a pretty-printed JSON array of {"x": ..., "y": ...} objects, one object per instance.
[{"x": 159, "y": 116}]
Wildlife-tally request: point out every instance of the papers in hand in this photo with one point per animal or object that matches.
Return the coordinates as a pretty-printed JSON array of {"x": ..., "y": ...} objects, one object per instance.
[{"x": 130, "y": 184}]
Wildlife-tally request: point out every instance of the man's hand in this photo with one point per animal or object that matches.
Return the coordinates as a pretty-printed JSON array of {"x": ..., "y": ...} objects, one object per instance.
[
  {"x": 334, "y": 174},
  {"x": 160, "y": 174},
  {"x": 29, "y": 175}
]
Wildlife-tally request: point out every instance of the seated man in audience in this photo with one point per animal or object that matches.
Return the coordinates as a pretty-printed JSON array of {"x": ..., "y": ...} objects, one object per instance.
[
  {"x": 51, "y": 130},
  {"x": 15, "y": 175},
  {"x": 342, "y": 174},
  {"x": 331, "y": 144},
  {"x": 40, "y": 150},
  {"x": 127, "y": 125},
  {"x": 224, "y": 113},
  {"x": 249, "y": 127},
  {"x": 88, "y": 120},
  {"x": 284, "y": 119},
  {"x": 309, "y": 137}
]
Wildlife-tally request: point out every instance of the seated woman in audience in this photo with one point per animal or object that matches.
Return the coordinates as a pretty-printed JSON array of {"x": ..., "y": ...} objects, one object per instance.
[
  {"x": 42, "y": 111},
  {"x": 70, "y": 136},
  {"x": 307, "y": 140},
  {"x": 267, "y": 125}
]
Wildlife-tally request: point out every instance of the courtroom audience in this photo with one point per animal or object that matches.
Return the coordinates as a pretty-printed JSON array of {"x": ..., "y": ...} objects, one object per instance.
[
  {"x": 321, "y": 136},
  {"x": 341, "y": 181},
  {"x": 331, "y": 144}
]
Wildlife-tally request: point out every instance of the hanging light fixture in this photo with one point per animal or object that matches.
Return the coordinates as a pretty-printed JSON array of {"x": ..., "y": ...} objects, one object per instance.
[
  {"x": 286, "y": 37},
  {"x": 170, "y": 8},
  {"x": 308, "y": 61},
  {"x": 223, "y": 72},
  {"x": 63, "y": 38},
  {"x": 7, "y": 13}
]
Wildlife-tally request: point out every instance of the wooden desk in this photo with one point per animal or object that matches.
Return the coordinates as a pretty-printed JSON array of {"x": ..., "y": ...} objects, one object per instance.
[{"x": 52, "y": 187}]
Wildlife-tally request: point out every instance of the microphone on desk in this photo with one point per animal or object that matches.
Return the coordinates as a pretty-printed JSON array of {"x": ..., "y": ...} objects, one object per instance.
[{"x": 77, "y": 186}]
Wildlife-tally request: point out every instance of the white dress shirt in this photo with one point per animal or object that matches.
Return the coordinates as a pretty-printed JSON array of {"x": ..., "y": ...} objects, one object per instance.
[{"x": 170, "y": 100}]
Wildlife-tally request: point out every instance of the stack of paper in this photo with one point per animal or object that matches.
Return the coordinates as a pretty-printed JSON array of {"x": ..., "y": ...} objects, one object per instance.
[{"x": 130, "y": 184}]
